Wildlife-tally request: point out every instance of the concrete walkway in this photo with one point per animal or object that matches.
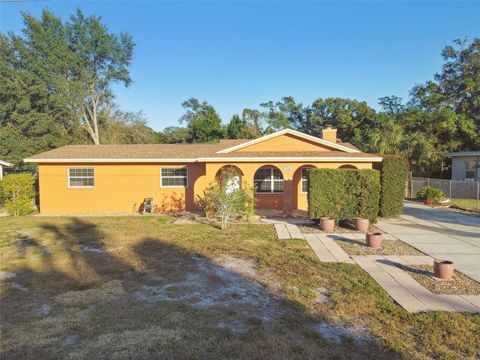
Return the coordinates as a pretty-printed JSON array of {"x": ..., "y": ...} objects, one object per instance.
[
  {"x": 385, "y": 270},
  {"x": 441, "y": 234},
  {"x": 286, "y": 228},
  {"x": 406, "y": 291}
]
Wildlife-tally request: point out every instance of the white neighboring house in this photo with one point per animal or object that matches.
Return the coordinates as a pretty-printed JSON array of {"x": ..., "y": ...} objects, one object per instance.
[
  {"x": 2, "y": 164},
  {"x": 465, "y": 165}
]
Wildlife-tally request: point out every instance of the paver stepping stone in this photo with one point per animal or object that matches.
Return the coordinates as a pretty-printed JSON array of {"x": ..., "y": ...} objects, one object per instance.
[
  {"x": 319, "y": 249},
  {"x": 458, "y": 303},
  {"x": 294, "y": 231},
  {"x": 282, "y": 231}
]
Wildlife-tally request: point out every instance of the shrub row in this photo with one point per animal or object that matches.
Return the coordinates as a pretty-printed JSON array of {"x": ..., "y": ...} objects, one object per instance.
[
  {"x": 344, "y": 194},
  {"x": 393, "y": 178}
]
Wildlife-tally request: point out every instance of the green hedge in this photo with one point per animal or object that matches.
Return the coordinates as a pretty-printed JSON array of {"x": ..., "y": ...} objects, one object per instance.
[
  {"x": 343, "y": 194},
  {"x": 393, "y": 178},
  {"x": 18, "y": 193}
]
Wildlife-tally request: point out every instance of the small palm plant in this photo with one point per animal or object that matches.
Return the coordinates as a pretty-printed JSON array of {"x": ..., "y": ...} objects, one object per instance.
[{"x": 430, "y": 195}]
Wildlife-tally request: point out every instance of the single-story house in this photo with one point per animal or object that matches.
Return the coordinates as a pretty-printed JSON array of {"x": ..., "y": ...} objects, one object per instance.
[
  {"x": 117, "y": 178},
  {"x": 2, "y": 165},
  {"x": 465, "y": 165}
]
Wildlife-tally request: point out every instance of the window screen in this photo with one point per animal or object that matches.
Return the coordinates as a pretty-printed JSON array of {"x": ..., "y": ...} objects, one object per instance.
[
  {"x": 174, "y": 177},
  {"x": 81, "y": 177}
]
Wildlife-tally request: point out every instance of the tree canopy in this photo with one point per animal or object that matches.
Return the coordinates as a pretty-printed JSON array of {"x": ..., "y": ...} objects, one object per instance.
[{"x": 56, "y": 89}]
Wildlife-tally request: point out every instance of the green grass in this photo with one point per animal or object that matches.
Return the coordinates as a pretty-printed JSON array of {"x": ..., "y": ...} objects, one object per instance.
[
  {"x": 93, "y": 295},
  {"x": 469, "y": 204}
]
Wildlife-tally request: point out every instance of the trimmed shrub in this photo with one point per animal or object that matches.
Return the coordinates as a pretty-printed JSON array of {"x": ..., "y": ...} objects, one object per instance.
[
  {"x": 393, "y": 179},
  {"x": 343, "y": 194},
  {"x": 18, "y": 193},
  {"x": 430, "y": 194}
]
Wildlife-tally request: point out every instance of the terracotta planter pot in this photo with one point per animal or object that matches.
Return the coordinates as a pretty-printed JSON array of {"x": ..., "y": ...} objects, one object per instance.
[
  {"x": 374, "y": 240},
  {"x": 443, "y": 269},
  {"x": 327, "y": 224},
  {"x": 361, "y": 224},
  {"x": 428, "y": 202}
]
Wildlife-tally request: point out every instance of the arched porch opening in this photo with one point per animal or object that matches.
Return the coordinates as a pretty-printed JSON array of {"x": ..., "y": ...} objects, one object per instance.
[
  {"x": 300, "y": 187},
  {"x": 347, "y": 166},
  {"x": 231, "y": 175},
  {"x": 268, "y": 183}
]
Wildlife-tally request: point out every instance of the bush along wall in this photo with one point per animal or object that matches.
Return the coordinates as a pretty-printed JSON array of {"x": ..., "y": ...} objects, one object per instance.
[
  {"x": 393, "y": 178},
  {"x": 18, "y": 193},
  {"x": 344, "y": 194}
]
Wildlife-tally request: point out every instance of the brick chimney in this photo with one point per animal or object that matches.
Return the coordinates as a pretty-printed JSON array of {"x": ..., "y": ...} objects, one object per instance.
[{"x": 329, "y": 134}]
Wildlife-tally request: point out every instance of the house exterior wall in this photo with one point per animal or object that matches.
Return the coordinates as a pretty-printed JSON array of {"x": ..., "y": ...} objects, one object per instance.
[
  {"x": 459, "y": 167},
  {"x": 121, "y": 188},
  {"x": 287, "y": 143}
]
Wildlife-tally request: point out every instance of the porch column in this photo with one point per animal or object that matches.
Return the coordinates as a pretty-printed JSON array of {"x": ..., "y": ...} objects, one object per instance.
[{"x": 288, "y": 189}]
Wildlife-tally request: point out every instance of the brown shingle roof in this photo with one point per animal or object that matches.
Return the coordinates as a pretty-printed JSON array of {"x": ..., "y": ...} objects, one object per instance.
[{"x": 170, "y": 152}]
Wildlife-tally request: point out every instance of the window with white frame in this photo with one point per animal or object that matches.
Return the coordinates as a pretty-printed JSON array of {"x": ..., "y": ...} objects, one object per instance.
[
  {"x": 470, "y": 167},
  {"x": 174, "y": 177},
  {"x": 81, "y": 177},
  {"x": 268, "y": 181},
  {"x": 305, "y": 179}
]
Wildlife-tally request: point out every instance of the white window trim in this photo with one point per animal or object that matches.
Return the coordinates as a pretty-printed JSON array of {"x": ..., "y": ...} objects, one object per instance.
[
  {"x": 271, "y": 180},
  {"x": 80, "y": 187},
  {"x": 174, "y": 186}
]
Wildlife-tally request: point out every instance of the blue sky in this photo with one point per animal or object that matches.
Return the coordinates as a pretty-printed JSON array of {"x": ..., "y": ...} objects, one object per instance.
[{"x": 237, "y": 54}]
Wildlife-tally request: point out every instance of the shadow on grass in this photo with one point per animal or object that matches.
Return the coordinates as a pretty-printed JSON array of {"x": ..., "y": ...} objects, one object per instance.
[{"x": 150, "y": 299}]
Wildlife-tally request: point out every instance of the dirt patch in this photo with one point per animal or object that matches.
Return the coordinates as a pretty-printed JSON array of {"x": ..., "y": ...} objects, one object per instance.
[
  {"x": 389, "y": 247},
  {"x": 459, "y": 285},
  {"x": 244, "y": 267},
  {"x": 337, "y": 333},
  {"x": 109, "y": 291},
  {"x": 211, "y": 286}
]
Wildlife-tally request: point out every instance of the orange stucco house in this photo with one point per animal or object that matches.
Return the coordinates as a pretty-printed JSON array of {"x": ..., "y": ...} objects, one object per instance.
[{"x": 117, "y": 178}]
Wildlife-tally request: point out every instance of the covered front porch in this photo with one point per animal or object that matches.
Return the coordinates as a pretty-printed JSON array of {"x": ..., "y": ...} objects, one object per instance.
[{"x": 281, "y": 189}]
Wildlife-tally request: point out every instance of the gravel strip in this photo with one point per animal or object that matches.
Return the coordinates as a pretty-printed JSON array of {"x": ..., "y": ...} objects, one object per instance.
[
  {"x": 315, "y": 229},
  {"x": 389, "y": 247},
  {"x": 459, "y": 285}
]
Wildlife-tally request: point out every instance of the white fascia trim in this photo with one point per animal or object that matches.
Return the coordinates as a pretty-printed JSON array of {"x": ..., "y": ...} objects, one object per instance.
[
  {"x": 212, "y": 159},
  {"x": 4, "y": 163},
  {"x": 291, "y": 132},
  {"x": 74, "y": 161},
  {"x": 294, "y": 159}
]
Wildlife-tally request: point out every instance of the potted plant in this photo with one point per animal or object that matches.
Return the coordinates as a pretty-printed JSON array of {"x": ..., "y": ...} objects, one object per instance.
[
  {"x": 430, "y": 195},
  {"x": 327, "y": 224},
  {"x": 443, "y": 269},
  {"x": 361, "y": 224},
  {"x": 373, "y": 239}
]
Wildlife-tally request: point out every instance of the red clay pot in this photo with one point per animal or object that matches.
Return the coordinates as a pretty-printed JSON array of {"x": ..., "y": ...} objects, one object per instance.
[
  {"x": 428, "y": 202},
  {"x": 443, "y": 269},
  {"x": 374, "y": 240},
  {"x": 327, "y": 224},
  {"x": 361, "y": 224}
]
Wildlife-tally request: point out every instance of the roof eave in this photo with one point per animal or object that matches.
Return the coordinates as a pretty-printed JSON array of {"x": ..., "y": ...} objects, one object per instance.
[
  {"x": 57, "y": 161},
  {"x": 211, "y": 159}
]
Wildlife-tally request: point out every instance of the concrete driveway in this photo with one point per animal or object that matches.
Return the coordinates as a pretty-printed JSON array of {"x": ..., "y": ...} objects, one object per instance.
[{"x": 441, "y": 234}]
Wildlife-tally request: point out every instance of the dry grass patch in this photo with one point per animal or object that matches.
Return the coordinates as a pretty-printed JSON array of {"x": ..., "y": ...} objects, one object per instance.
[{"x": 234, "y": 294}]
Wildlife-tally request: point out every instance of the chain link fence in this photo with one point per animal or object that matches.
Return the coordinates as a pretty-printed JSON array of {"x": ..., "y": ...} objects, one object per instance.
[{"x": 463, "y": 194}]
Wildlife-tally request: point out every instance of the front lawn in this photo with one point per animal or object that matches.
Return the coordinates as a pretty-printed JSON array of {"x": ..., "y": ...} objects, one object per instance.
[{"x": 141, "y": 287}]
